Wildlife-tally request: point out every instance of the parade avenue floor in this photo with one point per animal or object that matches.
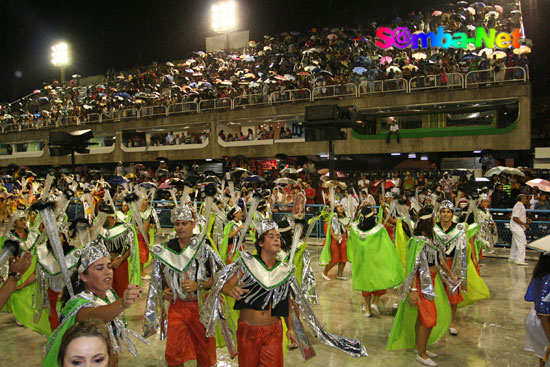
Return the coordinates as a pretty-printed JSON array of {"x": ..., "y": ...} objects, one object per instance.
[{"x": 491, "y": 332}]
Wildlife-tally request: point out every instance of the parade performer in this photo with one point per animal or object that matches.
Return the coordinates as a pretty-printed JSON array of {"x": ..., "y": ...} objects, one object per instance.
[
  {"x": 375, "y": 265},
  {"x": 262, "y": 285},
  {"x": 335, "y": 245},
  {"x": 94, "y": 298},
  {"x": 187, "y": 264},
  {"x": 487, "y": 235},
  {"x": 424, "y": 312},
  {"x": 454, "y": 239},
  {"x": 537, "y": 322},
  {"x": 120, "y": 239},
  {"x": 20, "y": 302},
  {"x": 302, "y": 261},
  {"x": 230, "y": 233}
]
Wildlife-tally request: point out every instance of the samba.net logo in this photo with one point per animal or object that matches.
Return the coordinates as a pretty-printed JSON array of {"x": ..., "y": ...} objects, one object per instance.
[{"x": 403, "y": 38}]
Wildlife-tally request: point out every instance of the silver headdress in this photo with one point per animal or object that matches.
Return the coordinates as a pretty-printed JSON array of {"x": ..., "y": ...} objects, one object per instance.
[
  {"x": 483, "y": 197},
  {"x": 184, "y": 212},
  {"x": 91, "y": 253},
  {"x": 17, "y": 214},
  {"x": 446, "y": 204},
  {"x": 265, "y": 225}
]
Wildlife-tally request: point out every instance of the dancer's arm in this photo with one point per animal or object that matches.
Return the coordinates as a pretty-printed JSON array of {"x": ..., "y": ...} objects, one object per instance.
[{"x": 109, "y": 312}]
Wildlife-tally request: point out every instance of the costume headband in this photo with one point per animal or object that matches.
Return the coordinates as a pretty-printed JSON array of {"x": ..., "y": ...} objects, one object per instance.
[
  {"x": 265, "y": 225},
  {"x": 446, "y": 204},
  {"x": 182, "y": 213},
  {"x": 91, "y": 253}
]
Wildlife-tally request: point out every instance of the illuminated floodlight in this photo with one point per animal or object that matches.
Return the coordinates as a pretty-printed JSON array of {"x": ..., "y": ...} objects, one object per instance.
[
  {"x": 423, "y": 157},
  {"x": 224, "y": 16},
  {"x": 60, "y": 54},
  {"x": 412, "y": 155},
  {"x": 396, "y": 154}
]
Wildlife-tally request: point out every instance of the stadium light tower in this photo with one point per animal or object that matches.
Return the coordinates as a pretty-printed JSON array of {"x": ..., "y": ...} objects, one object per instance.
[
  {"x": 60, "y": 57},
  {"x": 224, "y": 17}
]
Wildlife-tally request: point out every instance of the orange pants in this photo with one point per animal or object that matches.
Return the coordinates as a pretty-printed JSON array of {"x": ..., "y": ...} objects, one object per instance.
[
  {"x": 375, "y": 293},
  {"x": 143, "y": 249},
  {"x": 121, "y": 279},
  {"x": 186, "y": 338},
  {"x": 427, "y": 312},
  {"x": 456, "y": 297},
  {"x": 260, "y": 345},
  {"x": 53, "y": 317}
]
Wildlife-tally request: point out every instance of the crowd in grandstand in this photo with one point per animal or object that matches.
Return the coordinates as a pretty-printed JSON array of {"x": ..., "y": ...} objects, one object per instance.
[{"x": 288, "y": 61}]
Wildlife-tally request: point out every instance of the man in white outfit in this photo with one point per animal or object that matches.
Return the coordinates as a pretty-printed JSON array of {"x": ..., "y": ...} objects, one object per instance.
[{"x": 518, "y": 224}]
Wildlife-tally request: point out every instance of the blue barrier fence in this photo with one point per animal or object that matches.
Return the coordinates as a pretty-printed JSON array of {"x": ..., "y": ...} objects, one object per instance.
[{"x": 540, "y": 226}]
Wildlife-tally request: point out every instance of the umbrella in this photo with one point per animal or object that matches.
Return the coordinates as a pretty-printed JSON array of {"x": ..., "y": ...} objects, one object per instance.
[
  {"x": 249, "y": 58},
  {"x": 419, "y": 56},
  {"x": 212, "y": 180},
  {"x": 359, "y": 39},
  {"x": 165, "y": 185},
  {"x": 332, "y": 36},
  {"x": 522, "y": 50},
  {"x": 499, "y": 54},
  {"x": 117, "y": 180},
  {"x": 290, "y": 77},
  {"x": 169, "y": 64},
  {"x": 437, "y": 13},
  {"x": 542, "y": 244},
  {"x": 304, "y": 73},
  {"x": 491, "y": 14},
  {"x": 281, "y": 77},
  {"x": 285, "y": 181},
  {"x": 254, "y": 178},
  {"x": 76, "y": 76},
  {"x": 289, "y": 170},
  {"x": 478, "y": 4},
  {"x": 240, "y": 170},
  {"x": 393, "y": 68},
  {"x": 471, "y": 10},
  {"x": 543, "y": 185},
  {"x": 468, "y": 56},
  {"x": 130, "y": 175},
  {"x": 334, "y": 183},
  {"x": 501, "y": 169},
  {"x": 486, "y": 51},
  {"x": 410, "y": 67},
  {"x": 385, "y": 60},
  {"x": 337, "y": 174},
  {"x": 359, "y": 70}
]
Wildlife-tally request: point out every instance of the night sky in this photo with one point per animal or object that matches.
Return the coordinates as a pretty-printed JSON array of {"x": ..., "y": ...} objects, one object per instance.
[{"x": 122, "y": 34}]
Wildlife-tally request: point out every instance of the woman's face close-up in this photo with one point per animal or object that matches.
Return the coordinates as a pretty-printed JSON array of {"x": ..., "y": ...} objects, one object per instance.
[
  {"x": 86, "y": 351},
  {"x": 100, "y": 276}
]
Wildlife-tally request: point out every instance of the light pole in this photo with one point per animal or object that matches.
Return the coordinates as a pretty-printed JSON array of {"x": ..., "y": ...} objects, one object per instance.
[
  {"x": 224, "y": 18},
  {"x": 60, "y": 57}
]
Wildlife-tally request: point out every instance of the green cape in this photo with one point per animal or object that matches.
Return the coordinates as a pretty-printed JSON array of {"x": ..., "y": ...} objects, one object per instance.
[
  {"x": 403, "y": 335},
  {"x": 375, "y": 265},
  {"x": 326, "y": 255}
]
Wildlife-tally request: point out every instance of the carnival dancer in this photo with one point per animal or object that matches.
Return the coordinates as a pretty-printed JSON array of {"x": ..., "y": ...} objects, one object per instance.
[
  {"x": 375, "y": 266},
  {"x": 124, "y": 214},
  {"x": 261, "y": 285},
  {"x": 120, "y": 239},
  {"x": 302, "y": 260},
  {"x": 335, "y": 245},
  {"x": 487, "y": 235},
  {"x": 387, "y": 213},
  {"x": 424, "y": 312},
  {"x": 230, "y": 233},
  {"x": 188, "y": 264},
  {"x": 454, "y": 240},
  {"x": 537, "y": 322},
  {"x": 94, "y": 298},
  {"x": 20, "y": 302}
]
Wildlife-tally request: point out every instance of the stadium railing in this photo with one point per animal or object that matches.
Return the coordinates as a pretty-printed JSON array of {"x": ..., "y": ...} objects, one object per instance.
[{"x": 455, "y": 80}]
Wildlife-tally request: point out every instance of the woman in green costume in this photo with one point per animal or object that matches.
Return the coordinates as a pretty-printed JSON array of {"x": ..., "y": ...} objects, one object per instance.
[
  {"x": 231, "y": 230},
  {"x": 424, "y": 312},
  {"x": 20, "y": 302},
  {"x": 375, "y": 265},
  {"x": 94, "y": 298}
]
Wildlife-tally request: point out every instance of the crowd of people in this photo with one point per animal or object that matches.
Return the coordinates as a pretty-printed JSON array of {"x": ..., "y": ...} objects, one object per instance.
[{"x": 289, "y": 61}]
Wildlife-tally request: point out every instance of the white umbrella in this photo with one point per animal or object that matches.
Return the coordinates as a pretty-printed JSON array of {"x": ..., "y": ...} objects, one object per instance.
[
  {"x": 285, "y": 181},
  {"x": 501, "y": 169},
  {"x": 542, "y": 244},
  {"x": 543, "y": 185},
  {"x": 289, "y": 170}
]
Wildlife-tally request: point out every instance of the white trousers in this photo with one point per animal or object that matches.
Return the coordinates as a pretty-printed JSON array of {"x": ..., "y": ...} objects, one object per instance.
[{"x": 519, "y": 241}]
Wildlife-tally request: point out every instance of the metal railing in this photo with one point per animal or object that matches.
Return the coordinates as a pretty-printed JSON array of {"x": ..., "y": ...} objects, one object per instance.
[
  {"x": 291, "y": 95},
  {"x": 334, "y": 91},
  {"x": 383, "y": 86},
  {"x": 350, "y": 90},
  {"x": 251, "y": 100},
  {"x": 491, "y": 77},
  {"x": 452, "y": 80}
]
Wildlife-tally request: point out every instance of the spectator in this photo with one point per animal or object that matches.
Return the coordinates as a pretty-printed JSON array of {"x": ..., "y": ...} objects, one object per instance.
[
  {"x": 519, "y": 223},
  {"x": 310, "y": 193},
  {"x": 363, "y": 183},
  {"x": 222, "y": 135},
  {"x": 500, "y": 198},
  {"x": 394, "y": 129},
  {"x": 409, "y": 182},
  {"x": 421, "y": 181},
  {"x": 446, "y": 185},
  {"x": 250, "y": 135}
]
